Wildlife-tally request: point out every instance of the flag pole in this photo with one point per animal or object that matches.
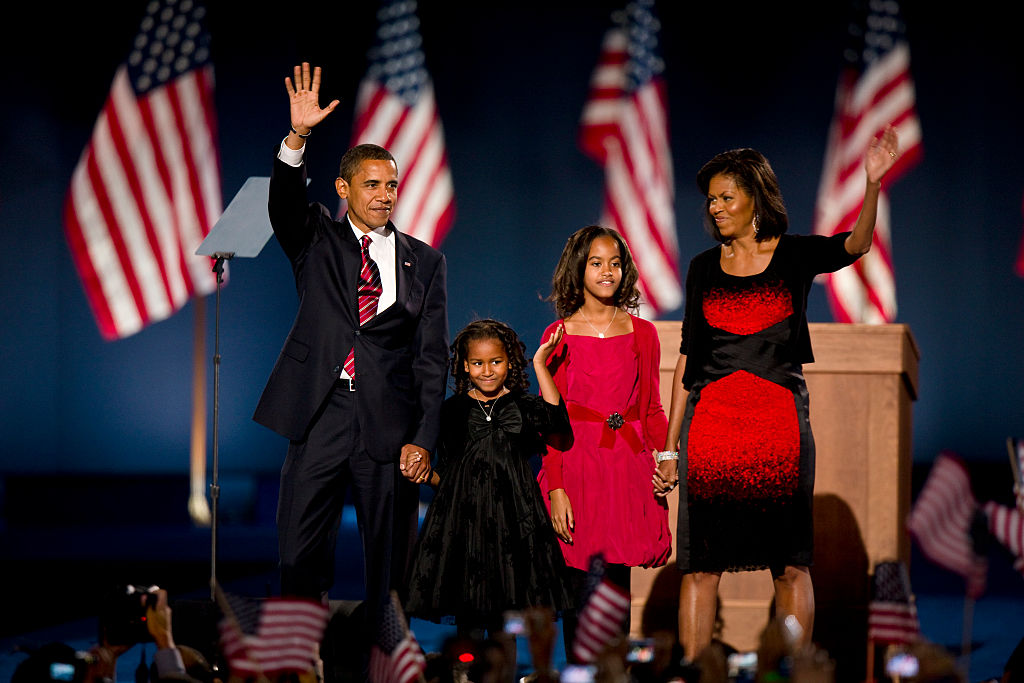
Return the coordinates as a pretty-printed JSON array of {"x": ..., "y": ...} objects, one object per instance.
[
  {"x": 965, "y": 645},
  {"x": 1018, "y": 478},
  {"x": 198, "y": 508}
]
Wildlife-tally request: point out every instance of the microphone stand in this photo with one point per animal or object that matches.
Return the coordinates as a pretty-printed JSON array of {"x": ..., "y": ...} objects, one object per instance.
[
  {"x": 241, "y": 231},
  {"x": 218, "y": 268}
]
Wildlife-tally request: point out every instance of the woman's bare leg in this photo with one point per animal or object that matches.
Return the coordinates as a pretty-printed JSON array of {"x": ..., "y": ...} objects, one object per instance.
[
  {"x": 698, "y": 603},
  {"x": 794, "y": 595}
]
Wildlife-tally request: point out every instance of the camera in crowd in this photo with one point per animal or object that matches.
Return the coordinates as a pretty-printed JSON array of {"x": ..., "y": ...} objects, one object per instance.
[
  {"x": 742, "y": 667},
  {"x": 902, "y": 665},
  {"x": 53, "y": 662},
  {"x": 515, "y": 623},
  {"x": 123, "y": 614}
]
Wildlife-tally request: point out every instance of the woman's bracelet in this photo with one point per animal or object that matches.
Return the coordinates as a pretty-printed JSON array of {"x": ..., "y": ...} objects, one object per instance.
[
  {"x": 301, "y": 135},
  {"x": 662, "y": 456}
]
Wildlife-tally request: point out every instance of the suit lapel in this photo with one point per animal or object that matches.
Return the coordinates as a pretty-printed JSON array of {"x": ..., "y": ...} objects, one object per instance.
[
  {"x": 352, "y": 263},
  {"x": 405, "y": 267}
]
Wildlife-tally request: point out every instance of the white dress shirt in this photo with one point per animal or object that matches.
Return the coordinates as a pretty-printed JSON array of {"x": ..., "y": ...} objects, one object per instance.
[{"x": 382, "y": 244}]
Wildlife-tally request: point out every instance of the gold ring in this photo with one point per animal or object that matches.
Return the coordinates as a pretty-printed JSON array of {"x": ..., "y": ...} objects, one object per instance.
[{"x": 892, "y": 154}]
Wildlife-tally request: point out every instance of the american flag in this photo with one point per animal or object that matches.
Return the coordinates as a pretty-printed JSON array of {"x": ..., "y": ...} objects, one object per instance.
[
  {"x": 624, "y": 127},
  {"x": 396, "y": 656},
  {"x": 146, "y": 189},
  {"x": 941, "y": 522},
  {"x": 270, "y": 636},
  {"x": 1016, "y": 451},
  {"x": 1007, "y": 526},
  {"x": 892, "y": 614},
  {"x": 602, "y": 616},
  {"x": 395, "y": 108},
  {"x": 875, "y": 90}
]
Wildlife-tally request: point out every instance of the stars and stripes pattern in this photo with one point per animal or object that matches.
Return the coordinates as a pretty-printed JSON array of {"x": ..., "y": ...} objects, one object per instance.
[
  {"x": 875, "y": 90},
  {"x": 892, "y": 613},
  {"x": 146, "y": 189},
  {"x": 624, "y": 127},
  {"x": 396, "y": 656},
  {"x": 368, "y": 290},
  {"x": 396, "y": 109},
  {"x": 270, "y": 636},
  {"x": 602, "y": 616},
  {"x": 1015, "y": 447},
  {"x": 1007, "y": 526},
  {"x": 941, "y": 522}
]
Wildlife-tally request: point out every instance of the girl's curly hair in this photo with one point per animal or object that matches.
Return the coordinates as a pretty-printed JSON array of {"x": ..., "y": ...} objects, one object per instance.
[
  {"x": 567, "y": 282},
  {"x": 489, "y": 329}
]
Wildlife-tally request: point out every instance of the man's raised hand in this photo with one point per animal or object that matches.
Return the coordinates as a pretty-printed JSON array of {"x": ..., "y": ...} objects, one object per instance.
[{"x": 304, "y": 99}]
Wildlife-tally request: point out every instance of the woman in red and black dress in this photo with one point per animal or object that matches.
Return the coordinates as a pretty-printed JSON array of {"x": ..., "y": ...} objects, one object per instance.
[{"x": 746, "y": 457}]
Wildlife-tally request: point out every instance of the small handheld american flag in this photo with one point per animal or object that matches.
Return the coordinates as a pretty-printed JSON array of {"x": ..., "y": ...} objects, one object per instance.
[
  {"x": 267, "y": 637},
  {"x": 396, "y": 656},
  {"x": 1007, "y": 526},
  {"x": 603, "y": 613},
  {"x": 892, "y": 614},
  {"x": 1015, "y": 448},
  {"x": 941, "y": 522}
]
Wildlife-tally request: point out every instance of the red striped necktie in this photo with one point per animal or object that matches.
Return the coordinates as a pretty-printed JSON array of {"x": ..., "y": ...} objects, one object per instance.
[{"x": 368, "y": 290}]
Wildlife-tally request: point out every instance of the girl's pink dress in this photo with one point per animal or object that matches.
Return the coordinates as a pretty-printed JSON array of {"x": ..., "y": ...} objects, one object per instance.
[{"x": 607, "y": 472}]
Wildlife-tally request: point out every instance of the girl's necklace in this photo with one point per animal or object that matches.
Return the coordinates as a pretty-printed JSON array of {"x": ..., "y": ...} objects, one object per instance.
[
  {"x": 600, "y": 333},
  {"x": 488, "y": 413}
]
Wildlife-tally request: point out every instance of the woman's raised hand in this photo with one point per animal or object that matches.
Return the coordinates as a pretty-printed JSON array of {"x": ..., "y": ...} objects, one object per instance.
[
  {"x": 304, "y": 98},
  {"x": 882, "y": 154}
]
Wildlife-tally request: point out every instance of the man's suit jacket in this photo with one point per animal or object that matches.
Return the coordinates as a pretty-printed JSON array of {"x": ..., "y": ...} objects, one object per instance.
[{"x": 401, "y": 355}]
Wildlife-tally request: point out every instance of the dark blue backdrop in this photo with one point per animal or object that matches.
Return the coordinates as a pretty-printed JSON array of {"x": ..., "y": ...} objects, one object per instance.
[{"x": 511, "y": 80}]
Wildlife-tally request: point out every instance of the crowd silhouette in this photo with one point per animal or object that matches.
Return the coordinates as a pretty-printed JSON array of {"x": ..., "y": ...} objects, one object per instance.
[{"x": 144, "y": 615}]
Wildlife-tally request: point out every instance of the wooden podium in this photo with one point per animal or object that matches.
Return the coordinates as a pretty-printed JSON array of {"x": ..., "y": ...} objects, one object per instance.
[{"x": 862, "y": 385}]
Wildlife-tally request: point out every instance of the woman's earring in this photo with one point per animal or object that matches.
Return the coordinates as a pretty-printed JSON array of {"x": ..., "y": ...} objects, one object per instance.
[{"x": 754, "y": 223}]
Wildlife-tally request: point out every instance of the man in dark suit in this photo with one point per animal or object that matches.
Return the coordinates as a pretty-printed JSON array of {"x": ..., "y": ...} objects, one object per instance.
[{"x": 359, "y": 383}]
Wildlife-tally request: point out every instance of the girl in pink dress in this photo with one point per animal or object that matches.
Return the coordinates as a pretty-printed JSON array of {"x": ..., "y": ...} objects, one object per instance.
[{"x": 599, "y": 491}]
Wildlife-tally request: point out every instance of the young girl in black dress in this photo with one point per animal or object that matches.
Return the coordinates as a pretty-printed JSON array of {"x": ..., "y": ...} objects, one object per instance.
[{"x": 487, "y": 545}]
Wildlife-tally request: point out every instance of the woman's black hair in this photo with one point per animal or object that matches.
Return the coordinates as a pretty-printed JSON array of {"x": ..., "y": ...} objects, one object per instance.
[{"x": 754, "y": 175}]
